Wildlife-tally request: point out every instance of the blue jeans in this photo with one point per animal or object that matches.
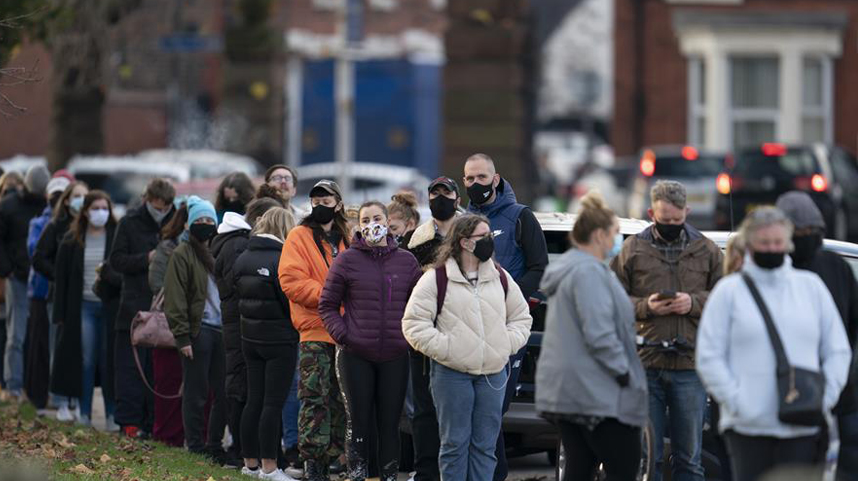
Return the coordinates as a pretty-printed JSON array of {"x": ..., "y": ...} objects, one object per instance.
[
  {"x": 847, "y": 459},
  {"x": 17, "y": 312},
  {"x": 680, "y": 395},
  {"x": 93, "y": 344},
  {"x": 469, "y": 420},
  {"x": 290, "y": 415}
]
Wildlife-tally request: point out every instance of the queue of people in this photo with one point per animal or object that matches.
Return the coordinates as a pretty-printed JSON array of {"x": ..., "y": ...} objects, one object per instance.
[{"x": 308, "y": 330}]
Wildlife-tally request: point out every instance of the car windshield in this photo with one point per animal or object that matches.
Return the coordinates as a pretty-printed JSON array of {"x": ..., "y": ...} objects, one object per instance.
[
  {"x": 677, "y": 166},
  {"x": 755, "y": 164}
]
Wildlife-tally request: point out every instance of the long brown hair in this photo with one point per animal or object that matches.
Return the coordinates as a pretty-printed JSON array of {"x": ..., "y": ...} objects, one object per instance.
[
  {"x": 243, "y": 186},
  {"x": 9, "y": 178},
  {"x": 462, "y": 228},
  {"x": 61, "y": 210},
  {"x": 81, "y": 221},
  {"x": 404, "y": 204},
  {"x": 174, "y": 228}
]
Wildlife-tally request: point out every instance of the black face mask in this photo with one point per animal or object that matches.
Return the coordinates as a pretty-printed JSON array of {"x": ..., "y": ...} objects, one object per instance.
[
  {"x": 769, "y": 260},
  {"x": 234, "y": 206},
  {"x": 806, "y": 247},
  {"x": 669, "y": 232},
  {"x": 479, "y": 193},
  {"x": 203, "y": 232},
  {"x": 323, "y": 214},
  {"x": 442, "y": 208},
  {"x": 484, "y": 249}
]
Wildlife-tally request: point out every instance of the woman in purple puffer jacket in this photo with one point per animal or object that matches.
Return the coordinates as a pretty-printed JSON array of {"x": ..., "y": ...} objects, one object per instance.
[{"x": 373, "y": 280}]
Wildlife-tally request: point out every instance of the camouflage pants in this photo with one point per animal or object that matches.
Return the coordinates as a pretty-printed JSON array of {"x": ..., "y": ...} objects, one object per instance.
[{"x": 322, "y": 419}]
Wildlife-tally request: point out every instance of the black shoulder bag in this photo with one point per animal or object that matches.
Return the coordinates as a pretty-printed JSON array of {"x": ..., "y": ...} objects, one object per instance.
[{"x": 800, "y": 391}]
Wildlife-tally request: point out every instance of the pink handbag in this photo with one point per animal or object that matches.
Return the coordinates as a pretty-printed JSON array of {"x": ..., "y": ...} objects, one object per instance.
[{"x": 150, "y": 329}]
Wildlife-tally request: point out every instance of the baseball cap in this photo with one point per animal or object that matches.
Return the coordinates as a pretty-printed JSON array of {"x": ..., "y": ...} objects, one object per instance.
[
  {"x": 57, "y": 184},
  {"x": 446, "y": 182},
  {"x": 324, "y": 188}
]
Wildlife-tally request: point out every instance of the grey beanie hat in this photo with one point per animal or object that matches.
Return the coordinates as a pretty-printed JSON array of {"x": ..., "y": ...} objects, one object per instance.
[
  {"x": 37, "y": 178},
  {"x": 801, "y": 210}
]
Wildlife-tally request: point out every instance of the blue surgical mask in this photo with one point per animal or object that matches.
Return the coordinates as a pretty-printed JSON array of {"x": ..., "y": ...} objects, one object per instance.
[
  {"x": 618, "y": 246},
  {"x": 75, "y": 204}
]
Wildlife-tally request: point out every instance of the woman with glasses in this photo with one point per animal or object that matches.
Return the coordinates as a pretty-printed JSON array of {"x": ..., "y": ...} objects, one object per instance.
[{"x": 468, "y": 317}]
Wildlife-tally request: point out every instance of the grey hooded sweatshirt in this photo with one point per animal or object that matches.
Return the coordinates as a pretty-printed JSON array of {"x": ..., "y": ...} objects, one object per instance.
[{"x": 589, "y": 341}]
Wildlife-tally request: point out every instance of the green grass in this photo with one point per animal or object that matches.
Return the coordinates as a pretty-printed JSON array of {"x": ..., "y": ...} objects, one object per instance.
[{"x": 69, "y": 452}]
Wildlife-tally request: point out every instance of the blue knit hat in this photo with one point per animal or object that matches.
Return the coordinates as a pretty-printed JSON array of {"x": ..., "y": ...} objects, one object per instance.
[{"x": 199, "y": 208}]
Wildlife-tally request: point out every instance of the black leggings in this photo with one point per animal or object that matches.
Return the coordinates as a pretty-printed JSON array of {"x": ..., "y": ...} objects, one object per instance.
[
  {"x": 614, "y": 444},
  {"x": 373, "y": 387},
  {"x": 753, "y": 456},
  {"x": 270, "y": 368}
]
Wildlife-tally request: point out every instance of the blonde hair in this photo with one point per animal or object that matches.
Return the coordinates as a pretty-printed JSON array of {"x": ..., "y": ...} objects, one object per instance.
[
  {"x": 734, "y": 256},
  {"x": 277, "y": 221},
  {"x": 404, "y": 205},
  {"x": 593, "y": 214},
  {"x": 8, "y": 179}
]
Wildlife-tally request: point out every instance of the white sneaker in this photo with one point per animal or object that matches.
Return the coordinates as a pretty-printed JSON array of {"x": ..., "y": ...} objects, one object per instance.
[
  {"x": 295, "y": 472},
  {"x": 253, "y": 473},
  {"x": 64, "y": 414},
  {"x": 110, "y": 426},
  {"x": 412, "y": 476},
  {"x": 84, "y": 421},
  {"x": 276, "y": 475}
]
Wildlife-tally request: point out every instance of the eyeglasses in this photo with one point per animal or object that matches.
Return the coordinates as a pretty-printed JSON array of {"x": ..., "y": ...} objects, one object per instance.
[{"x": 280, "y": 178}]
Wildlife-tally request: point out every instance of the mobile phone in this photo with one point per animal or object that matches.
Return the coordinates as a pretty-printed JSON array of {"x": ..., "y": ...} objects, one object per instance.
[{"x": 666, "y": 294}]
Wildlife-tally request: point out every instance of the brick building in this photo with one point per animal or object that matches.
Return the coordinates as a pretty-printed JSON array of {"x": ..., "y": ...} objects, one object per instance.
[{"x": 723, "y": 74}]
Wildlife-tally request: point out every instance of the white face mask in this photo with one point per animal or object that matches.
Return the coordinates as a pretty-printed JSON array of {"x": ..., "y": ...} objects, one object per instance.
[
  {"x": 374, "y": 233},
  {"x": 98, "y": 217}
]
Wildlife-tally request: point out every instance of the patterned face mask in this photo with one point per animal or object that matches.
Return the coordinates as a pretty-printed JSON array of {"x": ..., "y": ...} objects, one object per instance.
[{"x": 374, "y": 233}]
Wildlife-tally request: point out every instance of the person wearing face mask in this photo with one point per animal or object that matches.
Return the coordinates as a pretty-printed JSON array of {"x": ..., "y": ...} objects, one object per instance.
[
  {"x": 192, "y": 308},
  {"x": 372, "y": 280},
  {"x": 403, "y": 217},
  {"x": 520, "y": 249},
  {"x": 840, "y": 281},
  {"x": 736, "y": 357},
  {"x": 308, "y": 253},
  {"x": 668, "y": 271},
  {"x": 468, "y": 326},
  {"x": 37, "y": 358},
  {"x": 137, "y": 237},
  {"x": 84, "y": 344},
  {"x": 597, "y": 398},
  {"x": 235, "y": 191}
]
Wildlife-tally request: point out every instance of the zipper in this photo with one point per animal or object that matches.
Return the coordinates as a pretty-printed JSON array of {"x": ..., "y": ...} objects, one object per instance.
[{"x": 482, "y": 327}]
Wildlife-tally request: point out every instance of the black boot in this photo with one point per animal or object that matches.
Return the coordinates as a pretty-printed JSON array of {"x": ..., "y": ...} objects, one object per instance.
[{"x": 313, "y": 471}]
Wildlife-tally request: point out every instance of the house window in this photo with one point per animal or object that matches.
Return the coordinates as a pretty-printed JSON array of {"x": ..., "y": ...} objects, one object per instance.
[
  {"x": 754, "y": 99},
  {"x": 696, "y": 101},
  {"x": 816, "y": 100}
]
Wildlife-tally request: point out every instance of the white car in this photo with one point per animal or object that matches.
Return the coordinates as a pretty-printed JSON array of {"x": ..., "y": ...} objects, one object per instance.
[
  {"x": 205, "y": 164},
  {"x": 20, "y": 163}
]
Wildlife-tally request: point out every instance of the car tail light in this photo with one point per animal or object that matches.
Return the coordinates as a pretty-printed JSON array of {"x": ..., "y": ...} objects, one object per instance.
[
  {"x": 724, "y": 184},
  {"x": 818, "y": 183},
  {"x": 690, "y": 153},
  {"x": 774, "y": 150},
  {"x": 648, "y": 163}
]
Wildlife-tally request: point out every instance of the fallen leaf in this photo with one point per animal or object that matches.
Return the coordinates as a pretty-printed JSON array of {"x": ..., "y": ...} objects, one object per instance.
[
  {"x": 64, "y": 442},
  {"x": 81, "y": 469},
  {"x": 210, "y": 479},
  {"x": 105, "y": 458}
]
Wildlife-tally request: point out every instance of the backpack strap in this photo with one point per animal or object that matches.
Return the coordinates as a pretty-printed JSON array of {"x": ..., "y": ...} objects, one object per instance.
[
  {"x": 441, "y": 284},
  {"x": 504, "y": 280}
]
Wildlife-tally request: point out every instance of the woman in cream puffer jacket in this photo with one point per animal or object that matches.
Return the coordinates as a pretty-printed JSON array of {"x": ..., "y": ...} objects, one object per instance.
[{"x": 470, "y": 342}]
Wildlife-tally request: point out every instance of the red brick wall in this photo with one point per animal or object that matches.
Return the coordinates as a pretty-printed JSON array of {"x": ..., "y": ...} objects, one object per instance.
[
  {"x": 28, "y": 132},
  {"x": 661, "y": 114}
]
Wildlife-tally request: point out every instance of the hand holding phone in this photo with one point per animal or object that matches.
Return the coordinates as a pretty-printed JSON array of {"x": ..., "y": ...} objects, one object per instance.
[{"x": 666, "y": 294}]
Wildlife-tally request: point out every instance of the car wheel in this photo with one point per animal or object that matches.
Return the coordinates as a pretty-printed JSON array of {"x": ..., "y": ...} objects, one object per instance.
[{"x": 841, "y": 225}]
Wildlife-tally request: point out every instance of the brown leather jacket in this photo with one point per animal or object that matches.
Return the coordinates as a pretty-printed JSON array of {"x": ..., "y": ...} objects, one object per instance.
[{"x": 643, "y": 271}]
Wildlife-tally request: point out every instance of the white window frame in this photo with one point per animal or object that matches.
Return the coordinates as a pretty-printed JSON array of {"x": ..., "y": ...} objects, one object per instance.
[
  {"x": 696, "y": 109},
  {"x": 826, "y": 110},
  {"x": 752, "y": 114}
]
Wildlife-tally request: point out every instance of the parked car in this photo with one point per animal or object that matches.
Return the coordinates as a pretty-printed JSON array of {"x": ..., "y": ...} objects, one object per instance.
[
  {"x": 527, "y": 433},
  {"x": 20, "y": 163},
  {"x": 761, "y": 174},
  {"x": 205, "y": 164},
  {"x": 696, "y": 169}
]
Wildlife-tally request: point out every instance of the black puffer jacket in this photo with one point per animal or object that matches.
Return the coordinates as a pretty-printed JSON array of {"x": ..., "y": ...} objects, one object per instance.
[
  {"x": 265, "y": 317},
  {"x": 15, "y": 214},
  {"x": 226, "y": 248},
  {"x": 136, "y": 236}
]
